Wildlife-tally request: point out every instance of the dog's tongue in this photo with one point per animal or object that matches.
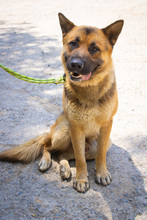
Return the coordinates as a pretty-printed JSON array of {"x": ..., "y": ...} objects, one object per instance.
[{"x": 86, "y": 77}]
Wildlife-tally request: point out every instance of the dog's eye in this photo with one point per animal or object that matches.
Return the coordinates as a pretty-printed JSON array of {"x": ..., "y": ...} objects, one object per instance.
[
  {"x": 93, "y": 49},
  {"x": 73, "y": 44}
]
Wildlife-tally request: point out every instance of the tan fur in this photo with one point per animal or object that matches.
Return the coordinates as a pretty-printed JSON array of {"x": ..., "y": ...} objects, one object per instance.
[
  {"x": 25, "y": 153},
  {"x": 82, "y": 131}
]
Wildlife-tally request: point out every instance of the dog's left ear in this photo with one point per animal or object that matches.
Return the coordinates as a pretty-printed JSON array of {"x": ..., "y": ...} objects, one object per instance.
[
  {"x": 113, "y": 30},
  {"x": 66, "y": 25}
]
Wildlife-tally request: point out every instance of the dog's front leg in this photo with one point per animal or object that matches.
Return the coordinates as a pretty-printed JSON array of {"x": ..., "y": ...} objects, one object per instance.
[
  {"x": 103, "y": 176},
  {"x": 78, "y": 140}
]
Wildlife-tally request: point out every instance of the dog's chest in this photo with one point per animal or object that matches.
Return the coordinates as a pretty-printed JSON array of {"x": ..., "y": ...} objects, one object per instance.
[{"x": 90, "y": 118}]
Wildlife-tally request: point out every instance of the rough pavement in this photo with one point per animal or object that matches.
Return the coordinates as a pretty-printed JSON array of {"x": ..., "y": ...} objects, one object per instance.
[{"x": 30, "y": 43}]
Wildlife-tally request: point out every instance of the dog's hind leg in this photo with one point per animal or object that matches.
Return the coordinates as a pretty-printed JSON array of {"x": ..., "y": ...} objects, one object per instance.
[
  {"x": 57, "y": 140},
  {"x": 45, "y": 161},
  {"x": 91, "y": 148},
  {"x": 65, "y": 170}
]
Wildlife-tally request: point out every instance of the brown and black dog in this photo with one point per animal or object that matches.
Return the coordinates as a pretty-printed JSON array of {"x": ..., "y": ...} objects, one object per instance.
[{"x": 90, "y": 101}]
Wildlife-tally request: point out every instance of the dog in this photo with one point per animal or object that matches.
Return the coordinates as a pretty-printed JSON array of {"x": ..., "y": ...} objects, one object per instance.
[{"x": 82, "y": 131}]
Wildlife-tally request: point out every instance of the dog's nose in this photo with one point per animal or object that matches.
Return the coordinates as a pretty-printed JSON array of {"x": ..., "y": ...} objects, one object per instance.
[{"x": 76, "y": 64}]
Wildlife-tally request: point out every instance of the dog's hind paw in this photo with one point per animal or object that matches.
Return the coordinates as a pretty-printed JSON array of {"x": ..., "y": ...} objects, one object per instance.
[
  {"x": 81, "y": 186},
  {"x": 65, "y": 172},
  {"x": 44, "y": 164}
]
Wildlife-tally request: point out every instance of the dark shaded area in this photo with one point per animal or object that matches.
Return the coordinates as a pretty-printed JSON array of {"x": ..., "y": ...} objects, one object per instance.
[
  {"x": 47, "y": 196},
  {"x": 33, "y": 56},
  {"x": 19, "y": 42}
]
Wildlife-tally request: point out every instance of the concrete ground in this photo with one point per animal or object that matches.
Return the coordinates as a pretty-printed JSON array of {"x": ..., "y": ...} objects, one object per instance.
[{"x": 30, "y": 43}]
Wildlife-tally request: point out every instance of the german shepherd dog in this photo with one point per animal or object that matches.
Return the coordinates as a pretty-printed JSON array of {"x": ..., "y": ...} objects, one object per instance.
[{"x": 82, "y": 131}]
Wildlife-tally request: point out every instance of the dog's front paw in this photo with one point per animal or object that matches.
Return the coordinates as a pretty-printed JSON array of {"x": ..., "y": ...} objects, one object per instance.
[
  {"x": 103, "y": 179},
  {"x": 81, "y": 186},
  {"x": 65, "y": 172},
  {"x": 44, "y": 164}
]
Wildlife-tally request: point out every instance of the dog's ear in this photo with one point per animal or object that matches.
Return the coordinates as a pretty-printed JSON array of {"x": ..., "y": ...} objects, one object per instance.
[
  {"x": 66, "y": 25},
  {"x": 113, "y": 30}
]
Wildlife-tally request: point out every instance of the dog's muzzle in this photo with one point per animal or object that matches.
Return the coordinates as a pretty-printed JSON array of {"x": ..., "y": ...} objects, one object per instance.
[
  {"x": 76, "y": 64},
  {"x": 78, "y": 69}
]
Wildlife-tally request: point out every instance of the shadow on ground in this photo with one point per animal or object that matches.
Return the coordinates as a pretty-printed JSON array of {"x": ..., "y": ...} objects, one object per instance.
[
  {"x": 28, "y": 109},
  {"x": 27, "y": 194},
  {"x": 29, "y": 50}
]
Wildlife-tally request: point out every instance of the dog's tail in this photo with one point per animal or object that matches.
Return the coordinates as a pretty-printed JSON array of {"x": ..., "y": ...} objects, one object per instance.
[{"x": 26, "y": 152}]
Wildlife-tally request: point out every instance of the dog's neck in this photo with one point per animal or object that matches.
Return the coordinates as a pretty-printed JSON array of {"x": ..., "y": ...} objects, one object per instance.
[{"x": 89, "y": 95}]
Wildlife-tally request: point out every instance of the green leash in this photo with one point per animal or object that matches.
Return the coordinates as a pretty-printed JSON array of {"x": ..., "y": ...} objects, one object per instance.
[{"x": 31, "y": 79}]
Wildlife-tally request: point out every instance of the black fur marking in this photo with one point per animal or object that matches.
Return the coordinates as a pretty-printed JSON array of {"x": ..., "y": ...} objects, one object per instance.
[
  {"x": 77, "y": 39},
  {"x": 64, "y": 77},
  {"x": 65, "y": 57},
  {"x": 69, "y": 95},
  {"x": 109, "y": 94},
  {"x": 66, "y": 92},
  {"x": 89, "y": 30}
]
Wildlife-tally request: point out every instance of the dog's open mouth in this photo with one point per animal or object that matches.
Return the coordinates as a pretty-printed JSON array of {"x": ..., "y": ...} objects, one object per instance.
[{"x": 79, "y": 77}]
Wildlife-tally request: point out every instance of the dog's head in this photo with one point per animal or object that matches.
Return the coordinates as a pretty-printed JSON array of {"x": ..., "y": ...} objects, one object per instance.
[{"x": 87, "y": 50}]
